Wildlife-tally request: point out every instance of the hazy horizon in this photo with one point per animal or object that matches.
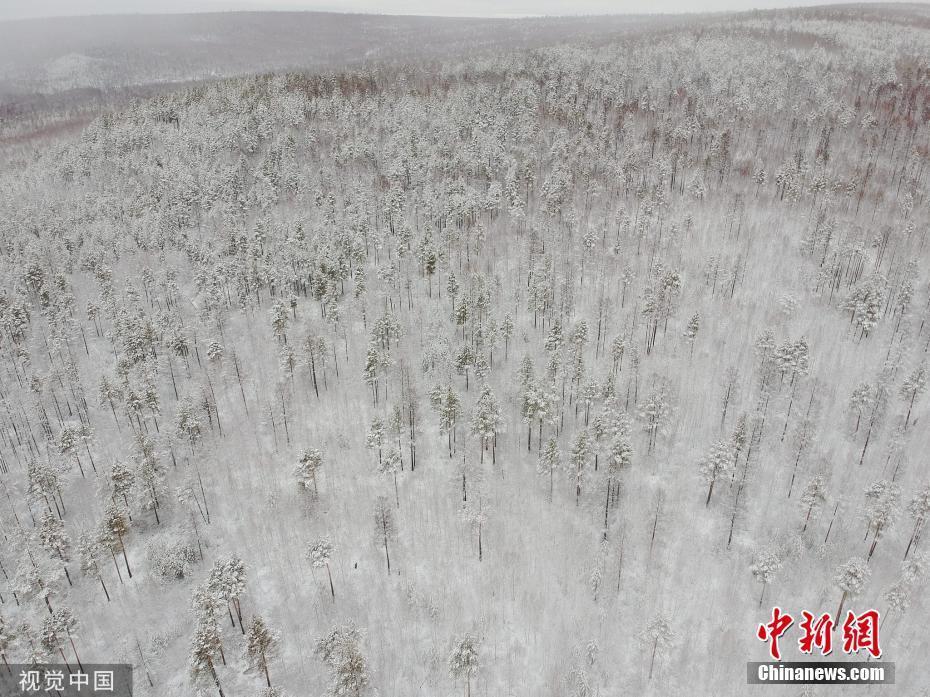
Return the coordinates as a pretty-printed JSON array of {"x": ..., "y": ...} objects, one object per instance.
[{"x": 43, "y": 9}]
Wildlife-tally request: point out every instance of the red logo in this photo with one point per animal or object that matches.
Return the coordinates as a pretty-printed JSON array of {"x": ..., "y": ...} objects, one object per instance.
[
  {"x": 773, "y": 630},
  {"x": 860, "y": 632},
  {"x": 818, "y": 633}
]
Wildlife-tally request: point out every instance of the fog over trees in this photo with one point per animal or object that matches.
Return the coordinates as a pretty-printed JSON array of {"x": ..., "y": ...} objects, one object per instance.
[{"x": 541, "y": 369}]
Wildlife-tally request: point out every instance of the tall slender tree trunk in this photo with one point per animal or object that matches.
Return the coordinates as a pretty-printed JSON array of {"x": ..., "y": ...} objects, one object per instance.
[
  {"x": 839, "y": 610},
  {"x": 74, "y": 649},
  {"x": 332, "y": 590},
  {"x": 125, "y": 558}
]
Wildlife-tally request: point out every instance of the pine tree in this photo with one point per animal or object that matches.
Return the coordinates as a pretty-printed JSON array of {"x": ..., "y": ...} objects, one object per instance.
[
  {"x": 715, "y": 465},
  {"x": 860, "y": 400},
  {"x": 658, "y": 638},
  {"x": 384, "y": 527},
  {"x": 507, "y": 332},
  {"x": 656, "y": 411},
  {"x": 113, "y": 527},
  {"x": 813, "y": 497},
  {"x": 61, "y": 626},
  {"x": 913, "y": 386},
  {"x": 51, "y": 639},
  {"x": 550, "y": 460},
  {"x": 279, "y": 321},
  {"x": 204, "y": 647},
  {"x": 486, "y": 421},
  {"x": 88, "y": 550},
  {"x": 44, "y": 485},
  {"x": 850, "y": 577},
  {"x": 261, "y": 643},
  {"x": 463, "y": 660},
  {"x": 186, "y": 423},
  {"x": 691, "y": 331},
  {"x": 919, "y": 509},
  {"x": 765, "y": 566},
  {"x": 227, "y": 583},
  {"x": 319, "y": 553},
  {"x": 578, "y": 460},
  {"x": 619, "y": 459},
  {"x": 149, "y": 478},
  {"x": 28, "y": 582},
  {"x": 617, "y": 347},
  {"x": 390, "y": 466},
  {"x": 450, "y": 410},
  {"x": 308, "y": 467},
  {"x": 375, "y": 438},
  {"x": 881, "y": 509},
  {"x": 120, "y": 479},
  {"x": 341, "y": 650},
  {"x": 54, "y": 539},
  {"x": 900, "y": 594}
]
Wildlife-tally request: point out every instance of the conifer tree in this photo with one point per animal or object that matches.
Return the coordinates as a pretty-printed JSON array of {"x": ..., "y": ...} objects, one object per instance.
[
  {"x": 812, "y": 498},
  {"x": 658, "y": 638},
  {"x": 765, "y": 566},
  {"x": 919, "y": 509},
  {"x": 881, "y": 510},
  {"x": 375, "y": 438},
  {"x": 715, "y": 465},
  {"x": 260, "y": 646},
  {"x": 850, "y": 577},
  {"x": 578, "y": 459},
  {"x": 113, "y": 528},
  {"x": 463, "y": 660},
  {"x": 319, "y": 553},
  {"x": 385, "y": 529},
  {"x": 341, "y": 650},
  {"x": 550, "y": 460},
  {"x": 308, "y": 467},
  {"x": 912, "y": 387},
  {"x": 486, "y": 421},
  {"x": 54, "y": 539},
  {"x": 204, "y": 646},
  {"x": 88, "y": 550}
]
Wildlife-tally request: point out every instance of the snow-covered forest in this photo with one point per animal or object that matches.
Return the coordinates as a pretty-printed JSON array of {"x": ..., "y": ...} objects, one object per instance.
[{"x": 543, "y": 372}]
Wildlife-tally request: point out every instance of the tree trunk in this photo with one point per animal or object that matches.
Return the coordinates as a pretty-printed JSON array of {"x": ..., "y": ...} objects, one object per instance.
[
  {"x": 125, "y": 558},
  {"x": 710, "y": 492},
  {"x": 606, "y": 507},
  {"x": 76, "y": 657},
  {"x": 913, "y": 541},
  {"x": 239, "y": 615},
  {"x": 216, "y": 680}
]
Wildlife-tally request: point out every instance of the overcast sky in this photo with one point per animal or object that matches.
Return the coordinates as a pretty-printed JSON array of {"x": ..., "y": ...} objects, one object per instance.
[{"x": 18, "y": 9}]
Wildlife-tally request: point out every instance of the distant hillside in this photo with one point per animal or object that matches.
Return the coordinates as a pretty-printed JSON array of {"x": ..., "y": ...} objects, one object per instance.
[{"x": 108, "y": 52}]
